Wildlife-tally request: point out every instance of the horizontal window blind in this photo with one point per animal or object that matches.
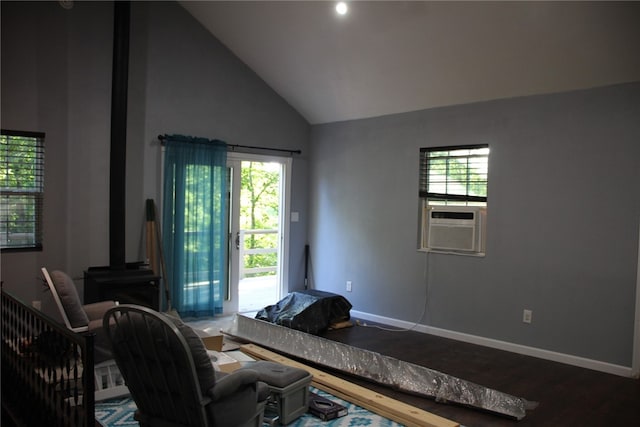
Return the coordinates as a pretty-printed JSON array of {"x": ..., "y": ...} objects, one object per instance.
[
  {"x": 21, "y": 189},
  {"x": 454, "y": 174}
]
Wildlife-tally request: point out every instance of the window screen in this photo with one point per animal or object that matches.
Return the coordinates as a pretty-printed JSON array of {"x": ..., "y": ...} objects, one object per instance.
[{"x": 22, "y": 190}]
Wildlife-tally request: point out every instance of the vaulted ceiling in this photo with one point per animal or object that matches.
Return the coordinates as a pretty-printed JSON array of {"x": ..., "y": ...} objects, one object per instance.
[{"x": 386, "y": 57}]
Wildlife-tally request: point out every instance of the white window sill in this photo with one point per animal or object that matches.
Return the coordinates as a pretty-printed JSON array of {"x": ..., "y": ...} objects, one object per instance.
[{"x": 445, "y": 252}]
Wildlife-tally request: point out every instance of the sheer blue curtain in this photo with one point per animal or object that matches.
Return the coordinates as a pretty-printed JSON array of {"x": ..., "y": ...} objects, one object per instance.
[{"x": 194, "y": 223}]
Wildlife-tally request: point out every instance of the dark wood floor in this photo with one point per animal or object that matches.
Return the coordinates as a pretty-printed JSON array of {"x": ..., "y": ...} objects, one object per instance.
[{"x": 567, "y": 395}]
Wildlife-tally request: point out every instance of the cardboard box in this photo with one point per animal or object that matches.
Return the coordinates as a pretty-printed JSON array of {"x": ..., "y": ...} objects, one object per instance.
[
  {"x": 223, "y": 362},
  {"x": 213, "y": 342}
]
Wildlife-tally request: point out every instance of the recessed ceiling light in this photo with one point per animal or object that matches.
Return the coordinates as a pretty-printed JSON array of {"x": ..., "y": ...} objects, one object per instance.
[
  {"x": 342, "y": 8},
  {"x": 67, "y": 4}
]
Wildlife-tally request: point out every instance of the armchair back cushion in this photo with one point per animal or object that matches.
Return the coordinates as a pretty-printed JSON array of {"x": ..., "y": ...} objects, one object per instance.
[
  {"x": 204, "y": 367},
  {"x": 69, "y": 298}
]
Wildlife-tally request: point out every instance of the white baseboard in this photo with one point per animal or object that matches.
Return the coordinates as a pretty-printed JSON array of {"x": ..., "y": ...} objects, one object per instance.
[{"x": 568, "y": 359}]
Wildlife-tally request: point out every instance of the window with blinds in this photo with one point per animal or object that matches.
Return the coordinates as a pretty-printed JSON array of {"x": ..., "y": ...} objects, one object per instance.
[
  {"x": 453, "y": 199},
  {"x": 21, "y": 190},
  {"x": 454, "y": 175}
]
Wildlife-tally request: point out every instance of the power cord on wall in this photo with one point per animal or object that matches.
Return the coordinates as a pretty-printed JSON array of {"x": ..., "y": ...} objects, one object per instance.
[{"x": 424, "y": 308}]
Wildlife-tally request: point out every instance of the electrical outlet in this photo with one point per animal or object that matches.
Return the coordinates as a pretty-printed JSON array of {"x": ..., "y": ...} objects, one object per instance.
[
  {"x": 348, "y": 285},
  {"x": 527, "y": 316}
]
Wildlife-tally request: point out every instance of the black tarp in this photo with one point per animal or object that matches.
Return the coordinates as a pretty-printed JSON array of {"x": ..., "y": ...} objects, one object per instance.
[{"x": 310, "y": 311}]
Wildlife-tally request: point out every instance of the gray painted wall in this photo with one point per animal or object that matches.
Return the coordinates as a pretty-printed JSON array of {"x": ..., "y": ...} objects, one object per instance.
[
  {"x": 193, "y": 85},
  {"x": 56, "y": 78},
  {"x": 563, "y": 217}
]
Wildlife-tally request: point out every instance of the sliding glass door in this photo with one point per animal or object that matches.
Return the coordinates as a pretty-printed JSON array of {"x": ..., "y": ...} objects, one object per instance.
[{"x": 258, "y": 230}]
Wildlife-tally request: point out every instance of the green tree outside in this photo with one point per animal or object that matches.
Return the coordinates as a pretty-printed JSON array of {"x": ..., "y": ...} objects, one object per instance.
[
  {"x": 260, "y": 210},
  {"x": 21, "y": 184}
]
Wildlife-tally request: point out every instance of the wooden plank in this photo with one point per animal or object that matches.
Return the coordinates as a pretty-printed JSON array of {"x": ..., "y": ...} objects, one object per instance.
[{"x": 375, "y": 402}]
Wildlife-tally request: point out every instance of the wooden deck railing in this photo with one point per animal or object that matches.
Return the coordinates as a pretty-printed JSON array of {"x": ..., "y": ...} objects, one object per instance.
[{"x": 243, "y": 252}]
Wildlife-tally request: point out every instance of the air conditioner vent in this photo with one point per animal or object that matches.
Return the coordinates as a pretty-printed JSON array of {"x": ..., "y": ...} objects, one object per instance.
[
  {"x": 452, "y": 215},
  {"x": 455, "y": 228}
]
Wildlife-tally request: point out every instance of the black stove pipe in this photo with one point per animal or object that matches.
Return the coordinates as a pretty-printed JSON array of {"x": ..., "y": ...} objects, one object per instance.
[{"x": 117, "y": 170}]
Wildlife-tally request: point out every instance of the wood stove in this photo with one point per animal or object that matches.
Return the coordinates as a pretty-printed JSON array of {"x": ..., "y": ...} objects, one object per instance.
[{"x": 127, "y": 283}]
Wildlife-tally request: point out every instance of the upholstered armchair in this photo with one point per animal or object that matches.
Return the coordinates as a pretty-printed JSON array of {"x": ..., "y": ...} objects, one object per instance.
[
  {"x": 171, "y": 378},
  {"x": 76, "y": 316},
  {"x": 87, "y": 318}
]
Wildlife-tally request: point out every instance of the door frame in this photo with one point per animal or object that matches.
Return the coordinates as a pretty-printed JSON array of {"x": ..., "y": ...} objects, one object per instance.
[{"x": 231, "y": 304}]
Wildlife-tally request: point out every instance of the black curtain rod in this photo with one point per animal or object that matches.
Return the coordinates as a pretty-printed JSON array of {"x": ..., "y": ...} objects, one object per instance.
[{"x": 252, "y": 147}]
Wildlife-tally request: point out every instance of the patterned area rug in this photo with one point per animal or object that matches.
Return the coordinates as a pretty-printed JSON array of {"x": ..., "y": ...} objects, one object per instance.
[
  {"x": 116, "y": 412},
  {"x": 119, "y": 413}
]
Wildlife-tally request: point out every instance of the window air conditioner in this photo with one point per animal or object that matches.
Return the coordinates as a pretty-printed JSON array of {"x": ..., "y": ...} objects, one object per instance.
[{"x": 455, "y": 228}]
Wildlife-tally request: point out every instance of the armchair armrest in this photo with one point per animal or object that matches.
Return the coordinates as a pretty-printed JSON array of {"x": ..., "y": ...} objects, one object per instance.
[
  {"x": 233, "y": 382},
  {"x": 96, "y": 310}
]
